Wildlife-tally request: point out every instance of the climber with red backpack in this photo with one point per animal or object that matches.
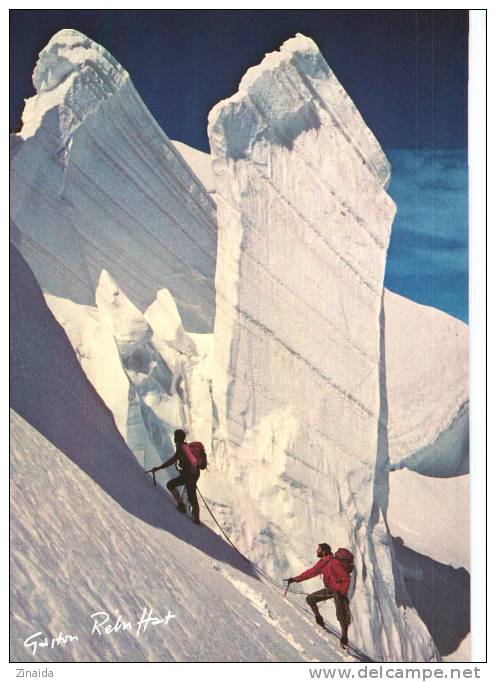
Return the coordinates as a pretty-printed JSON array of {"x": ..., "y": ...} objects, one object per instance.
[
  {"x": 189, "y": 458},
  {"x": 336, "y": 570}
]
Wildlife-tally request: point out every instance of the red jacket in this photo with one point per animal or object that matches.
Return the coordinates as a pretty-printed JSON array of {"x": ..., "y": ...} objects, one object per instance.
[{"x": 336, "y": 578}]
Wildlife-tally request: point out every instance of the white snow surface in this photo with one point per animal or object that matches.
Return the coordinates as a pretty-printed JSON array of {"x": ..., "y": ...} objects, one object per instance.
[
  {"x": 98, "y": 557},
  {"x": 432, "y": 515},
  {"x": 427, "y": 388},
  {"x": 462, "y": 654},
  {"x": 199, "y": 162},
  {"x": 303, "y": 395},
  {"x": 97, "y": 185}
]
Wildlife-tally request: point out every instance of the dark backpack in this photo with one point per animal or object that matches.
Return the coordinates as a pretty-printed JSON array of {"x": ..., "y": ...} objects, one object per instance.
[
  {"x": 197, "y": 457},
  {"x": 346, "y": 559}
]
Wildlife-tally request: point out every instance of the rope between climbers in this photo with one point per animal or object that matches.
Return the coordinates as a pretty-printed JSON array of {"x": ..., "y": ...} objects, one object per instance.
[
  {"x": 259, "y": 570},
  {"x": 274, "y": 583}
]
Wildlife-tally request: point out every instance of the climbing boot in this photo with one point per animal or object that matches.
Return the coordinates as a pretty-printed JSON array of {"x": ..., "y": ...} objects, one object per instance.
[{"x": 319, "y": 620}]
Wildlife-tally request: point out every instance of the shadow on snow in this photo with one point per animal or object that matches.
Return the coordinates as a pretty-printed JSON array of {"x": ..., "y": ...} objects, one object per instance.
[{"x": 49, "y": 389}]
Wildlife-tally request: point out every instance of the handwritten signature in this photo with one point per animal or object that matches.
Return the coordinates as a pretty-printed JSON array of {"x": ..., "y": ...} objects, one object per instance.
[{"x": 103, "y": 625}]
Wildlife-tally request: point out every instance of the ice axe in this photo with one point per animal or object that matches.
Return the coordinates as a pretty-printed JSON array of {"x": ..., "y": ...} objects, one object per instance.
[
  {"x": 150, "y": 471},
  {"x": 289, "y": 581}
]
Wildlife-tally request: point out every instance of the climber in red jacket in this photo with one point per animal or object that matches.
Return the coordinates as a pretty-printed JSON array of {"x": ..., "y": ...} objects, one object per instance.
[{"x": 336, "y": 583}]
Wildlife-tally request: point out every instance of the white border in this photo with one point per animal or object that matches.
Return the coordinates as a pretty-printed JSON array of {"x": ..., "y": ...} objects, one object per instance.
[
  {"x": 477, "y": 153},
  {"x": 477, "y": 304}
]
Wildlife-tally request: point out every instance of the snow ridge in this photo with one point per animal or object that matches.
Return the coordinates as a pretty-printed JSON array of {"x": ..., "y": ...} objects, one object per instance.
[{"x": 428, "y": 395}]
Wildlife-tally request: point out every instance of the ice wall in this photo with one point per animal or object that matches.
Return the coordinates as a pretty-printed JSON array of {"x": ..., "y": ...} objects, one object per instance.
[
  {"x": 299, "y": 372},
  {"x": 96, "y": 184},
  {"x": 426, "y": 353}
]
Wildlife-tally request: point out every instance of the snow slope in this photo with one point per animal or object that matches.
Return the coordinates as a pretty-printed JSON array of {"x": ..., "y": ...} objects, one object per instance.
[
  {"x": 99, "y": 557},
  {"x": 97, "y": 185},
  {"x": 90, "y": 533}
]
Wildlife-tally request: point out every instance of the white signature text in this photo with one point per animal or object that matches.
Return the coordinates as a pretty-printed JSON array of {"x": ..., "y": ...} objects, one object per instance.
[{"x": 102, "y": 624}]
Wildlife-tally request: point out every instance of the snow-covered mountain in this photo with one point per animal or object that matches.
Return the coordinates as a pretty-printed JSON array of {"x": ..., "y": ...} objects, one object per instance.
[{"x": 316, "y": 385}]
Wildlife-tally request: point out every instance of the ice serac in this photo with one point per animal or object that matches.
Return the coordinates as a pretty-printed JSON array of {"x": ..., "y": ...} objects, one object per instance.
[
  {"x": 97, "y": 185},
  {"x": 426, "y": 352},
  {"x": 299, "y": 371},
  {"x": 427, "y": 386},
  {"x": 140, "y": 364}
]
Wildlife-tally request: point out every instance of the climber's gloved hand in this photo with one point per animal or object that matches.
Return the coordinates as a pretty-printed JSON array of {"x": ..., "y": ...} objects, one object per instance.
[{"x": 289, "y": 580}]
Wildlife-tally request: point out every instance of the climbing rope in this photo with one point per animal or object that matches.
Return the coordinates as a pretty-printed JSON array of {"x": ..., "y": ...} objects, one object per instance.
[
  {"x": 356, "y": 652},
  {"x": 264, "y": 574},
  {"x": 275, "y": 583}
]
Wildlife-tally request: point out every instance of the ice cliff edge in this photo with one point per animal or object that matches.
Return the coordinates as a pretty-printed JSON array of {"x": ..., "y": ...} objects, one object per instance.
[
  {"x": 70, "y": 55},
  {"x": 292, "y": 105},
  {"x": 97, "y": 185}
]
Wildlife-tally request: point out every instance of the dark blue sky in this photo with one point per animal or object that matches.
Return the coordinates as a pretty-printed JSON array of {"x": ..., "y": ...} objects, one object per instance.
[
  {"x": 406, "y": 71},
  {"x": 428, "y": 252}
]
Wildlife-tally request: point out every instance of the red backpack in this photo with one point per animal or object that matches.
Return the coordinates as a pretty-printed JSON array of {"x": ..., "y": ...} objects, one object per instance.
[
  {"x": 197, "y": 457},
  {"x": 346, "y": 558}
]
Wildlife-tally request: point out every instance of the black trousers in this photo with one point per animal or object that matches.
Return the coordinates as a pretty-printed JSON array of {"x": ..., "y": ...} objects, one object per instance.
[{"x": 189, "y": 482}]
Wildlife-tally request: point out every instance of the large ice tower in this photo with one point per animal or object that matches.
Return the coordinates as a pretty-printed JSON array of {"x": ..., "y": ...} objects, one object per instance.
[
  {"x": 299, "y": 369},
  {"x": 98, "y": 185}
]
